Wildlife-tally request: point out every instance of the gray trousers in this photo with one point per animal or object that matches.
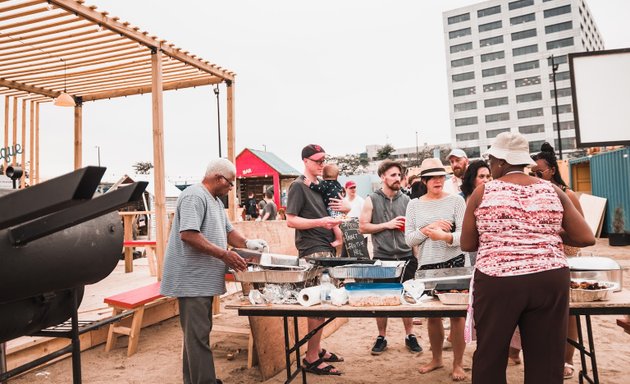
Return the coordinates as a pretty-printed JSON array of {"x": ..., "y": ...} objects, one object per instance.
[{"x": 195, "y": 317}]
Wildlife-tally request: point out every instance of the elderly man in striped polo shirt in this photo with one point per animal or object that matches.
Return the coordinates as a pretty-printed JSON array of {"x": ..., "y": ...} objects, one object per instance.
[{"x": 196, "y": 261}]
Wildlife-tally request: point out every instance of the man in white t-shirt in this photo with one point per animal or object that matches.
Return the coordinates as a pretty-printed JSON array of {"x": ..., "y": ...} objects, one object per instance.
[
  {"x": 356, "y": 201},
  {"x": 459, "y": 162}
]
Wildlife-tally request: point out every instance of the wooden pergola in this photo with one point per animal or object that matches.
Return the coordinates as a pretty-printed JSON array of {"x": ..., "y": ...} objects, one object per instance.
[{"x": 52, "y": 46}]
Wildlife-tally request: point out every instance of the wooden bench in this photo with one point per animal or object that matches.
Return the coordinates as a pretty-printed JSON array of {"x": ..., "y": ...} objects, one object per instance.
[
  {"x": 135, "y": 301},
  {"x": 625, "y": 324},
  {"x": 149, "y": 247}
]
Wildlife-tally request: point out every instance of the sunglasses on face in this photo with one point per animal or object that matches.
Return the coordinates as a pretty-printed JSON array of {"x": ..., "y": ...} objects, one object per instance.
[{"x": 538, "y": 173}]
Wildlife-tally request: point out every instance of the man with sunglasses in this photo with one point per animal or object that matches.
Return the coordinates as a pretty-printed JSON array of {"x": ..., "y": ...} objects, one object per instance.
[
  {"x": 306, "y": 212},
  {"x": 196, "y": 260}
]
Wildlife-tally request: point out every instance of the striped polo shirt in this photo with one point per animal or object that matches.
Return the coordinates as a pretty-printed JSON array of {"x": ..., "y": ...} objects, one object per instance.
[{"x": 188, "y": 272}]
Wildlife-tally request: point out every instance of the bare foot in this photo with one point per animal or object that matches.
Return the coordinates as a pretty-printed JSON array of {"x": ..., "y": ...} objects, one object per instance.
[
  {"x": 432, "y": 366},
  {"x": 458, "y": 373},
  {"x": 514, "y": 355}
]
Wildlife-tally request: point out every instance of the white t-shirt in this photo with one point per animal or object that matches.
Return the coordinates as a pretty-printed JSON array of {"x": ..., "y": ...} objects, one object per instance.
[
  {"x": 452, "y": 185},
  {"x": 356, "y": 204}
]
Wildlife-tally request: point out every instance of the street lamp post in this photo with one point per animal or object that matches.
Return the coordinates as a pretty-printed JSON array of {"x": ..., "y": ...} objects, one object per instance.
[
  {"x": 554, "y": 68},
  {"x": 98, "y": 153},
  {"x": 216, "y": 92}
]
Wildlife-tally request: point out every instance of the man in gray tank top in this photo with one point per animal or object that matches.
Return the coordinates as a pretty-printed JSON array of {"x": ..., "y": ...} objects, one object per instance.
[{"x": 383, "y": 216}]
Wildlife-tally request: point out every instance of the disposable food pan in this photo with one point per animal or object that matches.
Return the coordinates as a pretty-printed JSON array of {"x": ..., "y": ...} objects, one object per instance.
[
  {"x": 432, "y": 277},
  {"x": 278, "y": 275},
  {"x": 387, "y": 270},
  {"x": 586, "y": 295},
  {"x": 453, "y": 298}
]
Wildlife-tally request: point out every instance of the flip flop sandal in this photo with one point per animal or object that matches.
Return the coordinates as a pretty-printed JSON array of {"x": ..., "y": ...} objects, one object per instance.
[
  {"x": 568, "y": 374},
  {"x": 312, "y": 368},
  {"x": 332, "y": 359}
]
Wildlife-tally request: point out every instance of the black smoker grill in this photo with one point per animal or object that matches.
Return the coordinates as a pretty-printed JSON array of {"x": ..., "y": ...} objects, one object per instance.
[{"x": 54, "y": 239}]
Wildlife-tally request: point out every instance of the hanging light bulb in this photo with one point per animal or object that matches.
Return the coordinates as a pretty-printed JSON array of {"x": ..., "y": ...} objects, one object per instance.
[{"x": 64, "y": 100}]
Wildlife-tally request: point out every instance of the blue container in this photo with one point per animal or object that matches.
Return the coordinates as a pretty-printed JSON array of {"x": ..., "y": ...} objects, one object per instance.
[{"x": 373, "y": 294}]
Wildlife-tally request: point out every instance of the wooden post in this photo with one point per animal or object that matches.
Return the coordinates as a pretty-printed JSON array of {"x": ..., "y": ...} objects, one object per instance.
[
  {"x": 78, "y": 135},
  {"x": 15, "y": 124},
  {"x": 31, "y": 147},
  {"x": 6, "y": 127},
  {"x": 23, "y": 159},
  {"x": 128, "y": 236},
  {"x": 37, "y": 143},
  {"x": 158, "y": 157},
  {"x": 230, "y": 145}
]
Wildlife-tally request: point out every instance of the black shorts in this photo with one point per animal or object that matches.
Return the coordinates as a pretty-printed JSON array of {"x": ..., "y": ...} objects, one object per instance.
[
  {"x": 456, "y": 262},
  {"x": 409, "y": 273}
]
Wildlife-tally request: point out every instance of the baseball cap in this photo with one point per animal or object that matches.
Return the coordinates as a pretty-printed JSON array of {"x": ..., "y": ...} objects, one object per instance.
[
  {"x": 457, "y": 153},
  {"x": 350, "y": 183},
  {"x": 313, "y": 152}
]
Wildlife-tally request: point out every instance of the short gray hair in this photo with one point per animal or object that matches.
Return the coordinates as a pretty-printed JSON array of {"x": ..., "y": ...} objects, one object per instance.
[{"x": 222, "y": 167}]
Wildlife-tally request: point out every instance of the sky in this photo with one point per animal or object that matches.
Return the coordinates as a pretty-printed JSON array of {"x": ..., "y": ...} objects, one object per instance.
[{"x": 342, "y": 74}]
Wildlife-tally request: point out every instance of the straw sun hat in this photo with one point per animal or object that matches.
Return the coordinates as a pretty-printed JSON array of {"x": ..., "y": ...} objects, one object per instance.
[
  {"x": 511, "y": 147},
  {"x": 432, "y": 167}
]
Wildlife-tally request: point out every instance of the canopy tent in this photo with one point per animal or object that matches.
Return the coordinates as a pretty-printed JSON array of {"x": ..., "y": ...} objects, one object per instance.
[{"x": 52, "y": 46}]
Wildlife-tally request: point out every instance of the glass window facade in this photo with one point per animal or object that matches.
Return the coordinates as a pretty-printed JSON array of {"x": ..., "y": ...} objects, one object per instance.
[
  {"x": 564, "y": 126},
  {"x": 492, "y": 133},
  {"x": 527, "y": 97},
  {"x": 467, "y": 136},
  {"x": 464, "y": 91},
  {"x": 557, "y": 11},
  {"x": 472, "y": 152},
  {"x": 497, "y": 117},
  {"x": 558, "y": 59},
  {"x": 560, "y": 43},
  {"x": 535, "y": 128},
  {"x": 516, "y": 20},
  {"x": 461, "y": 47},
  {"x": 526, "y": 65},
  {"x": 534, "y": 146},
  {"x": 465, "y": 106},
  {"x": 562, "y": 92},
  {"x": 495, "y": 86},
  {"x": 530, "y": 113},
  {"x": 491, "y": 41},
  {"x": 463, "y": 76},
  {"x": 490, "y": 26},
  {"x": 489, "y": 11},
  {"x": 462, "y": 62},
  {"x": 520, "y": 4},
  {"x": 466, "y": 121},
  {"x": 565, "y": 108},
  {"x": 493, "y": 71},
  {"x": 566, "y": 75},
  {"x": 523, "y": 34},
  {"x": 559, "y": 27},
  {"x": 459, "y": 33},
  {"x": 492, "y": 56},
  {"x": 495, "y": 102},
  {"x": 567, "y": 143},
  {"x": 459, "y": 18},
  {"x": 525, "y": 81},
  {"x": 525, "y": 50}
]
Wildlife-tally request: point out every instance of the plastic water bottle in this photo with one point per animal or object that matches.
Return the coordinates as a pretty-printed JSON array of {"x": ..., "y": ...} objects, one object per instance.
[{"x": 326, "y": 287}]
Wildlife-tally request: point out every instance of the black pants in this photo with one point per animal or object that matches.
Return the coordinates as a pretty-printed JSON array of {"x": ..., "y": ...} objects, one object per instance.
[
  {"x": 195, "y": 316},
  {"x": 539, "y": 304}
]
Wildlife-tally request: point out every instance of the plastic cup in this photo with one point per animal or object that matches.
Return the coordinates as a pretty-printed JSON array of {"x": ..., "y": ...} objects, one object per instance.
[{"x": 402, "y": 227}]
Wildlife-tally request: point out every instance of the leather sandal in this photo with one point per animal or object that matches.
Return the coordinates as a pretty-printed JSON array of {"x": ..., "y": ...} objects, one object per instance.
[
  {"x": 313, "y": 368},
  {"x": 569, "y": 370},
  {"x": 332, "y": 359}
]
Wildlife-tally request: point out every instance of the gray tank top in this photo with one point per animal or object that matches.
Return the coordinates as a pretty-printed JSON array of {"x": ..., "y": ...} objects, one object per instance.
[{"x": 390, "y": 243}]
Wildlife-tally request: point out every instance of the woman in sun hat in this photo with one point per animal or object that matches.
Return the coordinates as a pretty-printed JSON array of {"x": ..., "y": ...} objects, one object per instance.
[
  {"x": 518, "y": 225},
  {"x": 434, "y": 224}
]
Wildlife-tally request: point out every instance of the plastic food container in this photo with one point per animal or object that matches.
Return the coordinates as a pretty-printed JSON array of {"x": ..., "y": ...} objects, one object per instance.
[
  {"x": 585, "y": 295},
  {"x": 373, "y": 294},
  {"x": 381, "y": 270},
  {"x": 596, "y": 268}
]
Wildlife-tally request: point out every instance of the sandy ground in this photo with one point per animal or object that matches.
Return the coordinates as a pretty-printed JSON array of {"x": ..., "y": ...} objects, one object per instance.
[{"x": 158, "y": 361}]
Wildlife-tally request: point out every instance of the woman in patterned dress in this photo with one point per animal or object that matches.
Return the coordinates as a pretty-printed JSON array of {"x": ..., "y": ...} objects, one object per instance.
[{"x": 518, "y": 225}]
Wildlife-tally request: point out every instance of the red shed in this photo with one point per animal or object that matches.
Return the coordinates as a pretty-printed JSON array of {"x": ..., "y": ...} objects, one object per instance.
[{"x": 257, "y": 171}]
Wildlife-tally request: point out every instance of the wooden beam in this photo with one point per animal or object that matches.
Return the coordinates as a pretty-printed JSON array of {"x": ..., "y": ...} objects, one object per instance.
[
  {"x": 147, "y": 89},
  {"x": 158, "y": 158},
  {"x": 23, "y": 159},
  {"x": 15, "y": 126},
  {"x": 28, "y": 88},
  {"x": 19, "y": 6},
  {"x": 31, "y": 147},
  {"x": 37, "y": 143},
  {"x": 78, "y": 135},
  {"x": 6, "y": 127},
  {"x": 231, "y": 138},
  {"x": 25, "y": 36},
  {"x": 134, "y": 82},
  {"x": 115, "y": 26}
]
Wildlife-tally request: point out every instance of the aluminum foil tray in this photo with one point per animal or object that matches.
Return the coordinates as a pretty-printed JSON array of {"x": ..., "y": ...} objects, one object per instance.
[
  {"x": 388, "y": 270},
  {"x": 278, "y": 276},
  {"x": 431, "y": 277}
]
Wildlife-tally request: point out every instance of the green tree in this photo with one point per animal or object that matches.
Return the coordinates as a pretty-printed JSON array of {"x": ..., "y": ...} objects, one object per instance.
[
  {"x": 143, "y": 167},
  {"x": 350, "y": 164},
  {"x": 385, "y": 152}
]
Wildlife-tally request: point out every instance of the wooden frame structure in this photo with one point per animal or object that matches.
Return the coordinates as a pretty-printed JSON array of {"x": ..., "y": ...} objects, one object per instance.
[{"x": 51, "y": 46}]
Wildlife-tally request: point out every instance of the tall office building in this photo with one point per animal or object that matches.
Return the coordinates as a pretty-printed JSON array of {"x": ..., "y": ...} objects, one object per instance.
[{"x": 500, "y": 76}]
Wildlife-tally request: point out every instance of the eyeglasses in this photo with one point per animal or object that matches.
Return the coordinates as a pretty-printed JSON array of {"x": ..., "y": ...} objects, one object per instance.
[
  {"x": 539, "y": 173},
  {"x": 318, "y": 162},
  {"x": 226, "y": 179}
]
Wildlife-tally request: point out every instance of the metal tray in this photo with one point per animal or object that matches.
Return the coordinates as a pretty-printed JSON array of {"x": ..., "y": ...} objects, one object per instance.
[
  {"x": 388, "y": 270},
  {"x": 278, "y": 276},
  {"x": 337, "y": 261},
  {"x": 431, "y": 277}
]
